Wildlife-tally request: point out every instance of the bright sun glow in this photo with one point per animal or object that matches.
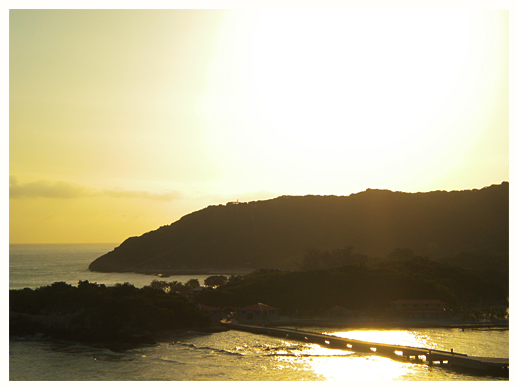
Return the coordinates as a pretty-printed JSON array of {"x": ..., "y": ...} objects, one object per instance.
[
  {"x": 319, "y": 77},
  {"x": 310, "y": 93},
  {"x": 130, "y": 119}
]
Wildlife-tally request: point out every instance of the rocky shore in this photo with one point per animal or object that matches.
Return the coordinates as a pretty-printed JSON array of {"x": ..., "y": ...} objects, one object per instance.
[{"x": 71, "y": 327}]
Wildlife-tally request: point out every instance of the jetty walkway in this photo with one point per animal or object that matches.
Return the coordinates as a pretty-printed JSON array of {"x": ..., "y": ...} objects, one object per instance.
[{"x": 481, "y": 365}]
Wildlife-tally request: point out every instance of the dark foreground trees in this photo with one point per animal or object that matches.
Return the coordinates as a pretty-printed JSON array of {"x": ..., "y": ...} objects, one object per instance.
[
  {"x": 215, "y": 280},
  {"x": 96, "y": 313}
]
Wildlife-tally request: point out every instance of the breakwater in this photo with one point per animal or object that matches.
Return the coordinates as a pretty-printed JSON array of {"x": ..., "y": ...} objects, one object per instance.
[{"x": 451, "y": 359}]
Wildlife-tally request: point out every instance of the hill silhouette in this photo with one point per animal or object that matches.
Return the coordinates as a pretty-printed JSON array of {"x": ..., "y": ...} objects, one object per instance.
[{"x": 277, "y": 233}]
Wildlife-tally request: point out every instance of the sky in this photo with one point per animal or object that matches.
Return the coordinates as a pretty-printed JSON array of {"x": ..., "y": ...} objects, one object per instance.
[{"x": 121, "y": 121}]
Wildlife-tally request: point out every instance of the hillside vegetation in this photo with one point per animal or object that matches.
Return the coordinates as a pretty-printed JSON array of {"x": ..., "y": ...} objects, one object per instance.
[
  {"x": 278, "y": 233},
  {"x": 364, "y": 287}
]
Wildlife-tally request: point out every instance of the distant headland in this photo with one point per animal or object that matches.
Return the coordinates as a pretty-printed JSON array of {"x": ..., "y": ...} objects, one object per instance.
[{"x": 279, "y": 233}]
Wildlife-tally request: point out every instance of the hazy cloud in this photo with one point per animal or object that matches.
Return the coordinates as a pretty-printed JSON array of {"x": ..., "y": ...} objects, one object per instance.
[
  {"x": 66, "y": 190},
  {"x": 48, "y": 189}
]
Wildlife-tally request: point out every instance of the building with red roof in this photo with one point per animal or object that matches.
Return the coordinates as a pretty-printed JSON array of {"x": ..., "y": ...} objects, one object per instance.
[{"x": 214, "y": 312}]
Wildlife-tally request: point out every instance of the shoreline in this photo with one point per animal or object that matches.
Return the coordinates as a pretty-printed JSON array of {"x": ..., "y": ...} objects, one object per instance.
[
  {"x": 179, "y": 272},
  {"x": 61, "y": 327},
  {"x": 405, "y": 324}
]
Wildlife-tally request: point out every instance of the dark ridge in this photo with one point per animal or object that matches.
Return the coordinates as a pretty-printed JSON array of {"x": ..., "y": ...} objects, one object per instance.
[{"x": 276, "y": 233}]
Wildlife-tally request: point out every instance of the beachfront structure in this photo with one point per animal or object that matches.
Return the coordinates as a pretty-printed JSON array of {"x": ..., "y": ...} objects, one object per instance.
[{"x": 419, "y": 309}]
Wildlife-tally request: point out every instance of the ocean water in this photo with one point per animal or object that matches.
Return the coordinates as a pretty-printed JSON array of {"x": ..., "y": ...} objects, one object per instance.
[
  {"x": 34, "y": 265},
  {"x": 224, "y": 356}
]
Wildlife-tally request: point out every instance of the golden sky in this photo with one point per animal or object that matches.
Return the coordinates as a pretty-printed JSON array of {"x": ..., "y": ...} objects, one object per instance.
[{"x": 121, "y": 121}]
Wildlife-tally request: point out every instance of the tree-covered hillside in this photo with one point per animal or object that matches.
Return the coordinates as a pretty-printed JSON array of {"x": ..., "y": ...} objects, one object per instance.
[
  {"x": 365, "y": 287},
  {"x": 277, "y": 233}
]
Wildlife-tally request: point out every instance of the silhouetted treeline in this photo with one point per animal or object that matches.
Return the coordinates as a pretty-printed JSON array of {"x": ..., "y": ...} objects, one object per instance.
[
  {"x": 319, "y": 259},
  {"x": 278, "y": 233},
  {"x": 493, "y": 268},
  {"x": 96, "y": 313},
  {"x": 363, "y": 287},
  {"x": 126, "y": 314}
]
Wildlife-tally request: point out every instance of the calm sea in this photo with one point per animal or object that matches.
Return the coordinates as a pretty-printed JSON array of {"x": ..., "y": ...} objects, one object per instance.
[{"x": 225, "y": 356}]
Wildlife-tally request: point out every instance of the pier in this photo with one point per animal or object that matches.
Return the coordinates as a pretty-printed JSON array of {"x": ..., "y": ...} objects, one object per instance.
[{"x": 480, "y": 365}]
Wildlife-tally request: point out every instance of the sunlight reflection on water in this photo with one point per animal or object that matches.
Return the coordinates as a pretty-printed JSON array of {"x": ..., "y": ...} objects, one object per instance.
[
  {"x": 358, "y": 369},
  {"x": 237, "y": 356},
  {"x": 224, "y": 356},
  {"x": 398, "y": 337},
  {"x": 335, "y": 365},
  {"x": 343, "y": 365}
]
